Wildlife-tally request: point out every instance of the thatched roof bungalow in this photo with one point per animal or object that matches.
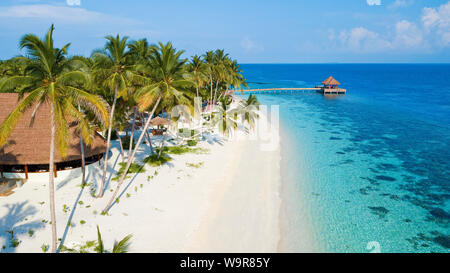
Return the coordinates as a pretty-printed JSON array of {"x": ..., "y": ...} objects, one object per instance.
[{"x": 28, "y": 148}]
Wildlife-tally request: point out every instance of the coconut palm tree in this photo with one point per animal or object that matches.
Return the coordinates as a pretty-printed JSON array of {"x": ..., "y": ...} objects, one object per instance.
[
  {"x": 53, "y": 79},
  {"x": 113, "y": 66},
  {"x": 249, "y": 110},
  {"x": 140, "y": 50},
  {"x": 166, "y": 87},
  {"x": 198, "y": 71},
  {"x": 209, "y": 58},
  {"x": 221, "y": 69},
  {"x": 119, "y": 247},
  {"x": 225, "y": 118}
]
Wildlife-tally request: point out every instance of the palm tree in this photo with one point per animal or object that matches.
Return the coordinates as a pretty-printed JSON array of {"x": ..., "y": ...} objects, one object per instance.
[
  {"x": 198, "y": 70},
  {"x": 226, "y": 117},
  {"x": 51, "y": 79},
  {"x": 221, "y": 69},
  {"x": 119, "y": 247},
  {"x": 249, "y": 110},
  {"x": 113, "y": 66},
  {"x": 165, "y": 88},
  {"x": 209, "y": 58},
  {"x": 140, "y": 50}
]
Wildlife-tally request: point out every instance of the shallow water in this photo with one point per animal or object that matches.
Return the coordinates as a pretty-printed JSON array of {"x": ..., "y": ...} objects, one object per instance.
[{"x": 372, "y": 165}]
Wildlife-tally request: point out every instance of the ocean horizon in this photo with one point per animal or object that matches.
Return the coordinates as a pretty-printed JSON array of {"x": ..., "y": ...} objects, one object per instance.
[{"x": 368, "y": 170}]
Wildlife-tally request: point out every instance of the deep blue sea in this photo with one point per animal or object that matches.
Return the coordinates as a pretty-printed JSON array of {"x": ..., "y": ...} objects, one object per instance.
[{"x": 370, "y": 166}]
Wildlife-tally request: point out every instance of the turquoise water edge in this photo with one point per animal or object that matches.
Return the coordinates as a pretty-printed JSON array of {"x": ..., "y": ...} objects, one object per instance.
[{"x": 370, "y": 166}]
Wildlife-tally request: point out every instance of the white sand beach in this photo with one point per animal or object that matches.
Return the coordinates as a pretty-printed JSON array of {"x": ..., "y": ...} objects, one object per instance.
[{"x": 228, "y": 202}]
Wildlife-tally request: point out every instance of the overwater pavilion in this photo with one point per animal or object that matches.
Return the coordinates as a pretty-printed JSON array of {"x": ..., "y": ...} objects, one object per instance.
[{"x": 331, "y": 86}]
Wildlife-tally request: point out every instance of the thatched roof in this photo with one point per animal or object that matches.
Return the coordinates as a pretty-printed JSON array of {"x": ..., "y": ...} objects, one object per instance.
[
  {"x": 158, "y": 121},
  {"x": 31, "y": 145},
  {"x": 330, "y": 81}
]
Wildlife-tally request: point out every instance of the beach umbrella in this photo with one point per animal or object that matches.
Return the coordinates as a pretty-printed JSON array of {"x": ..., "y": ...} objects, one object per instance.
[{"x": 158, "y": 121}]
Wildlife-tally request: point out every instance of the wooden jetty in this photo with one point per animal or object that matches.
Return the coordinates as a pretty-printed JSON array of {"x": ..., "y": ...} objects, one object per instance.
[{"x": 330, "y": 86}]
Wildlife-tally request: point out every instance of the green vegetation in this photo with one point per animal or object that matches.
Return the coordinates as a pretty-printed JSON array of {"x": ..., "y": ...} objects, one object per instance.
[
  {"x": 179, "y": 150},
  {"x": 185, "y": 132},
  {"x": 44, "y": 248},
  {"x": 156, "y": 161},
  {"x": 126, "y": 142},
  {"x": 88, "y": 184},
  {"x": 134, "y": 168},
  {"x": 13, "y": 241},
  {"x": 192, "y": 142},
  {"x": 193, "y": 165}
]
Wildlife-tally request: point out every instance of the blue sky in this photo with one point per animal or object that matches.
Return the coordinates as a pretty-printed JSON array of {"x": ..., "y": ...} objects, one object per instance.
[{"x": 252, "y": 31}]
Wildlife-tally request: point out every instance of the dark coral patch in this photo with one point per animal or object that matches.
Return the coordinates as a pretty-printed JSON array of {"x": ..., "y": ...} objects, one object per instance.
[
  {"x": 440, "y": 213},
  {"x": 385, "y": 178},
  {"x": 380, "y": 211},
  {"x": 442, "y": 240}
]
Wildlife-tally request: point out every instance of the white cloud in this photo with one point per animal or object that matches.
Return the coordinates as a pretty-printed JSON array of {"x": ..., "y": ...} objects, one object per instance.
[
  {"x": 73, "y": 2},
  {"x": 373, "y": 2},
  {"x": 438, "y": 20},
  {"x": 432, "y": 34},
  {"x": 250, "y": 45},
  {"x": 407, "y": 35},
  {"x": 57, "y": 14},
  {"x": 363, "y": 40},
  {"x": 401, "y": 3}
]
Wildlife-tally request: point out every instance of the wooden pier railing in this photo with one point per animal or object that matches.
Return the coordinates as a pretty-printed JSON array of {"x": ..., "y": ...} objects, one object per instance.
[{"x": 286, "y": 90}]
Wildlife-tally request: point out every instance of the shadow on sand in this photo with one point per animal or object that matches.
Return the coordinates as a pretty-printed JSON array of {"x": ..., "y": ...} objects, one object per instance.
[{"x": 16, "y": 220}]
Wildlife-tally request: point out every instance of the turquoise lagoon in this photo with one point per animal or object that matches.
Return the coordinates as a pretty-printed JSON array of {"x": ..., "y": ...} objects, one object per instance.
[{"x": 370, "y": 166}]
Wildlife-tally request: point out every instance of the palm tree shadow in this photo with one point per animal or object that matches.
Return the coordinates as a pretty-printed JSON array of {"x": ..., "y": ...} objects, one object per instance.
[
  {"x": 72, "y": 176},
  {"x": 111, "y": 170},
  {"x": 214, "y": 139},
  {"x": 74, "y": 208},
  {"x": 15, "y": 220}
]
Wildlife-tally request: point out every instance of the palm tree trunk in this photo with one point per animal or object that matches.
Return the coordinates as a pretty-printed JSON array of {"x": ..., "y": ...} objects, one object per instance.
[
  {"x": 51, "y": 181},
  {"x": 132, "y": 132},
  {"x": 121, "y": 147},
  {"x": 130, "y": 159},
  {"x": 147, "y": 135},
  {"x": 108, "y": 144},
  {"x": 215, "y": 92},
  {"x": 162, "y": 145},
  {"x": 218, "y": 99},
  {"x": 83, "y": 161},
  {"x": 211, "y": 84}
]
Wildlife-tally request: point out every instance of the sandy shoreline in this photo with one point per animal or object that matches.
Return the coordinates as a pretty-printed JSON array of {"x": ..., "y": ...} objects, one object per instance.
[{"x": 230, "y": 203}]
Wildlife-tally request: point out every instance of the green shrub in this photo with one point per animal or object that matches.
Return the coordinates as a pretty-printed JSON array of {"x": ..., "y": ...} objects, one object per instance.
[
  {"x": 44, "y": 248},
  {"x": 126, "y": 142},
  {"x": 179, "y": 150},
  {"x": 154, "y": 161},
  {"x": 134, "y": 168},
  {"x": 191, "y": 142}
]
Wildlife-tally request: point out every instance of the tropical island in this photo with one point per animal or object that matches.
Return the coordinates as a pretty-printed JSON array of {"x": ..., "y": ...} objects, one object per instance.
[{"x": 134, "y": 142}]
